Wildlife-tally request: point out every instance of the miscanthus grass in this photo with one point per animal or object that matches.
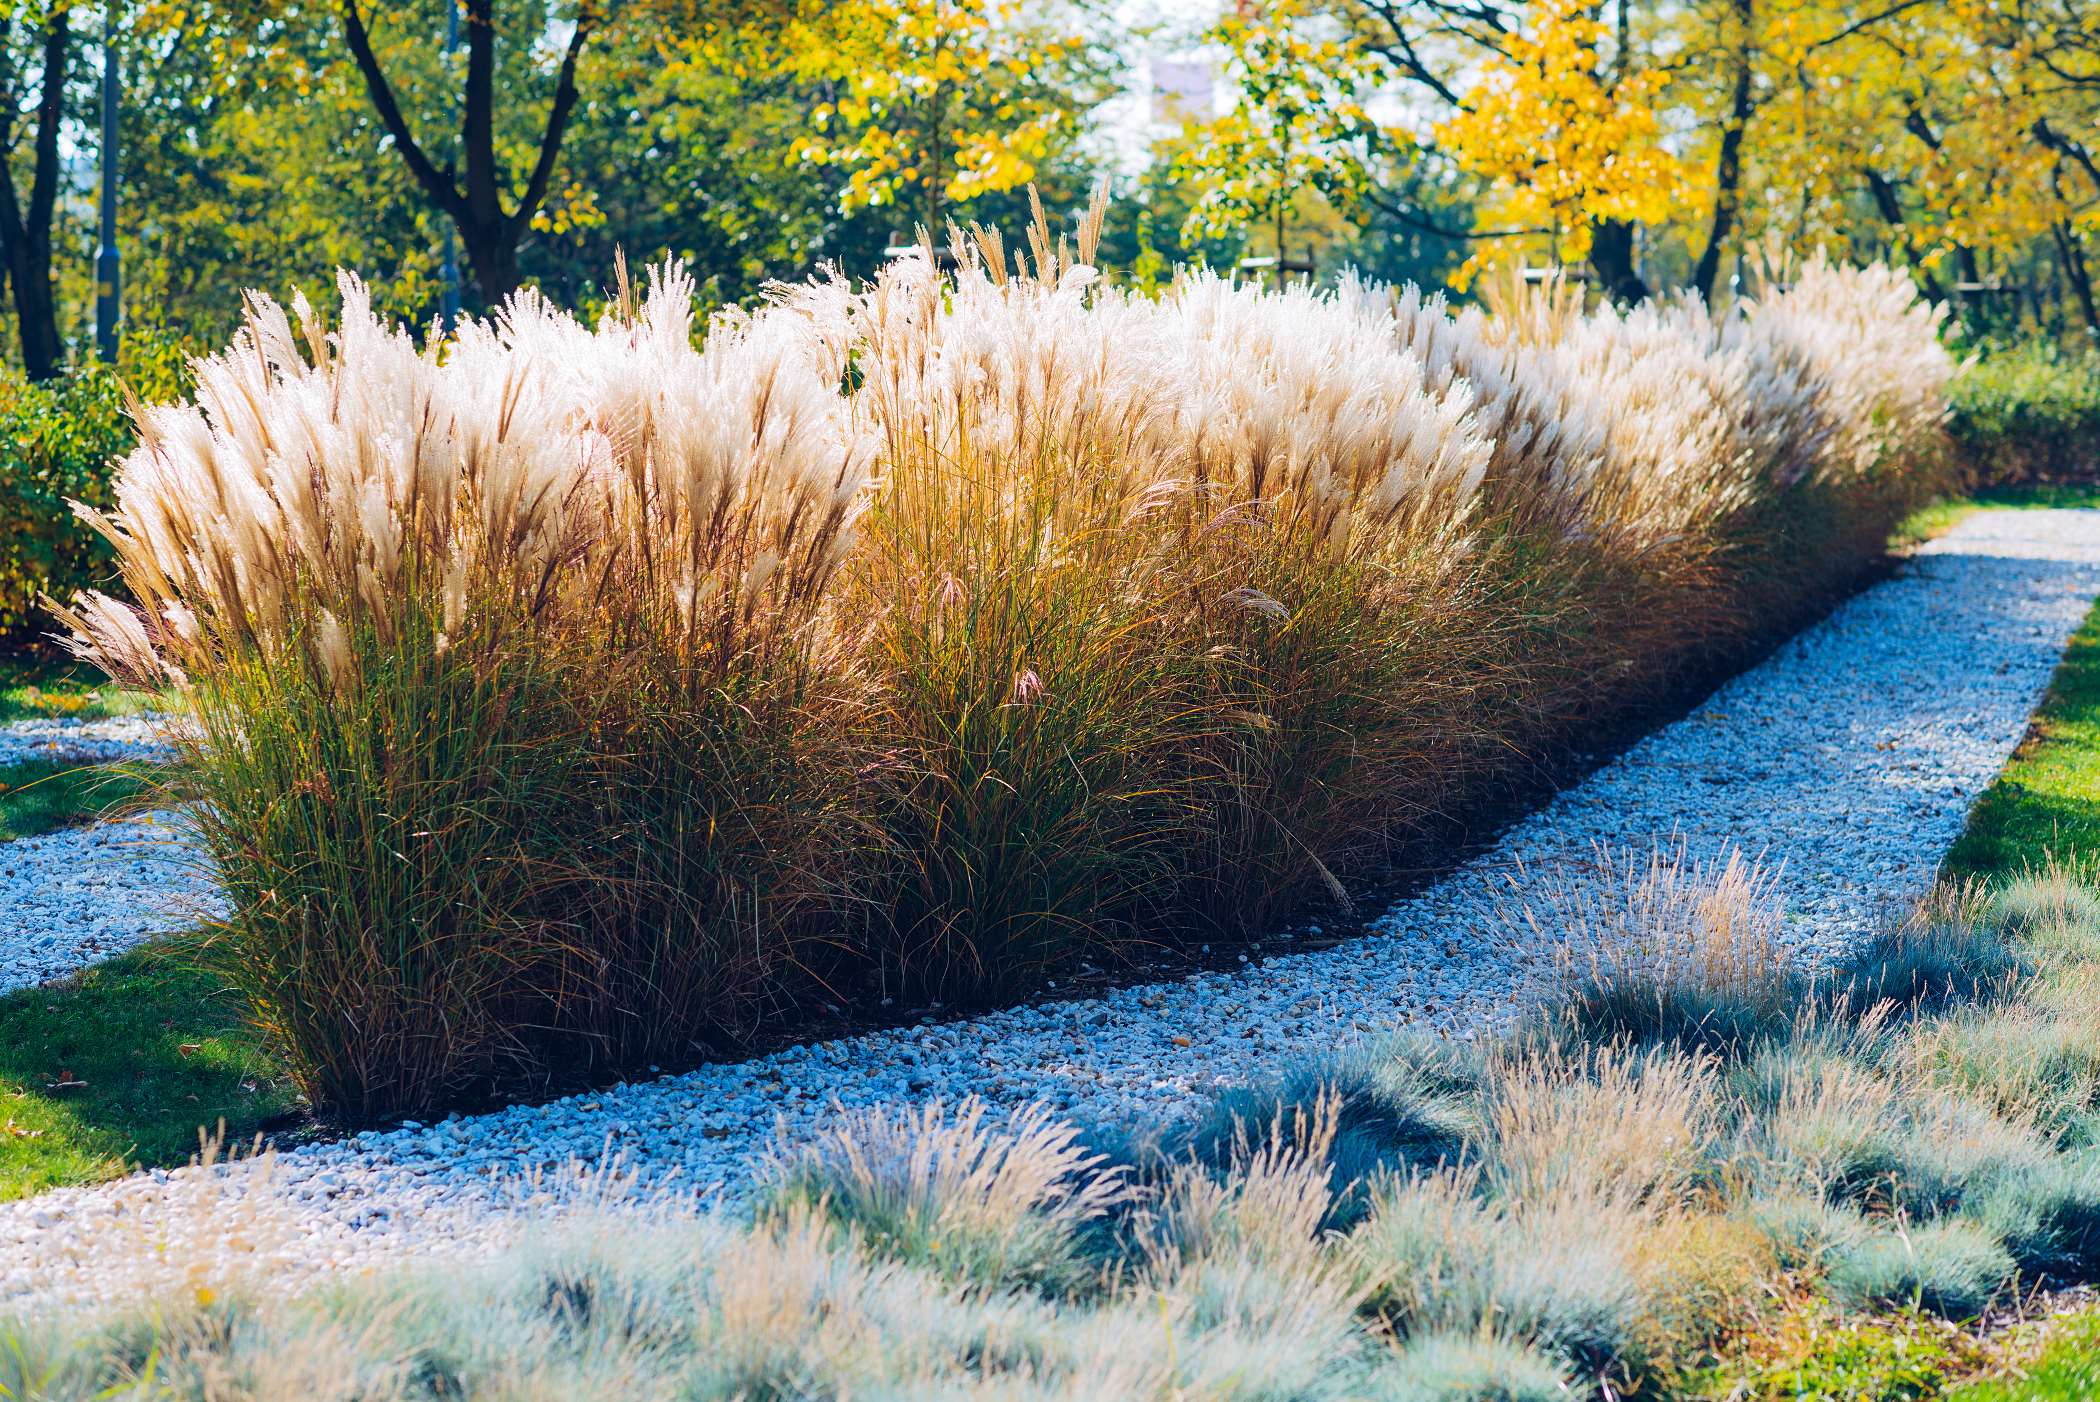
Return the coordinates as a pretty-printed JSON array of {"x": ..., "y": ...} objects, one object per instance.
[{"x": 573, "y": 699}]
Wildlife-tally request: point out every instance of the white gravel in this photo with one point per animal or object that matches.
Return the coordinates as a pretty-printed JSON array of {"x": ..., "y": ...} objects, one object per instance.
[
  {"x": 103, "y": 740},
  {"x": 72, "y": 897},
  {"x": 78, "y": 895},
  {"x": 1849, "y": 758}
]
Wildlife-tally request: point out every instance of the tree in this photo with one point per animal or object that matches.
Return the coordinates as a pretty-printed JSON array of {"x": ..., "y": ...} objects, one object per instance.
[
  {"x": 1732, "y": 56},
  {"x": 1564, "y": 127},
  {"x": 1297, "y": 128},
  {"x": 933, "y": 103},
  {"x": 38, "y": 36},
  {"x": 697, "y": 158},
  {"x": 470, "y": 192}
]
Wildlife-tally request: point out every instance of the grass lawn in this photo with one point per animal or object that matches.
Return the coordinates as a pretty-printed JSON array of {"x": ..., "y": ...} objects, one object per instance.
[
  {"x": 2048, "y": 799},
  {"x": 32, "y": 687},
  {"x": 40, "y": 795},
  {"x": 121, "y": 1065},
  {"x": 2047, "y": 802},
  {"x": 1944, "y": 516}
]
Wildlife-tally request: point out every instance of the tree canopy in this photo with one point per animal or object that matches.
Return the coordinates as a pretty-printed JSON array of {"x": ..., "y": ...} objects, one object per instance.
[{"x": 1665, "y": 143}]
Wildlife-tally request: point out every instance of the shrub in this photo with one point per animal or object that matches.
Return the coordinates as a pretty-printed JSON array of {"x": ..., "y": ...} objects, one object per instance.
[
  {"x": 60, "y": 442},
  {"x": 60, "y": 439},
  {"x": 2028, "y": 412},
  {"x": 575, "y": 700}
]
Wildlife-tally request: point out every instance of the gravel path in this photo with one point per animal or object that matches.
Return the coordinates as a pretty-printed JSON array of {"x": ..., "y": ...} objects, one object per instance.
[
  {"x": 72, "y": 897},
  {"x": 1849, "y": 758},
  {"x": 103, "y": 740}
]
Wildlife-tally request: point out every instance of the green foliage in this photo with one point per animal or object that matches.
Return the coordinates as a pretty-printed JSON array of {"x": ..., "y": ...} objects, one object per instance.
[
  {"x": 2029, "y": 412},
  {"x": 122, "y": 1065},
  {"x": 59, "y": 439},
  {"x": 59, "y": 443},
  {"x": 1298, "y": 128},
  {"x": 1902, "y": 1357},
  {"x": 2065, "y": 1368}
]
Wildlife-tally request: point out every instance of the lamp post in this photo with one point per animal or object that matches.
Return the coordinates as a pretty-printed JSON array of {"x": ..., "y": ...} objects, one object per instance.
[
  {"x": 448, "y": 270},
  {"x": 108, "y": 262}
]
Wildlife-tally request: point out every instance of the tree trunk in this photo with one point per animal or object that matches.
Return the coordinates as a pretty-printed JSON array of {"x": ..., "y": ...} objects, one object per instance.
[
  {"x": 1891, "y": 206},
  {"x": 492, "y": 257},
  {"x": 36, "y": 310},
  {"x": 1611, "y": 256},
  {"x": 25, "y": 234},
  {"x": 2076, "y": 272},
  {"x": 489, "y": 233},
  {"x": 1728, "y": 167}
]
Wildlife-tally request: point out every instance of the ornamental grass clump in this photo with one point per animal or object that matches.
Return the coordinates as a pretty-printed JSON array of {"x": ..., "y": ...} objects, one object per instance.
[
  {"x": 505, "y": 660},
  {"x": 1028, "y": 698},
  {"x": 573, "y": 700}
]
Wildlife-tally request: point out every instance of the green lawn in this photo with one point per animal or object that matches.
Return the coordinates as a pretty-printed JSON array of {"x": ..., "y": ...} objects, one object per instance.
[
  {"x": 1944, "y": 516},
  {"x": 121, "y": 1066},
  {"x": 40, "y": 795},
  {"x": 38, "y": 686},
  {"x": 2047, "y": 802},
  {"x": 2065, "y": 1369}
]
